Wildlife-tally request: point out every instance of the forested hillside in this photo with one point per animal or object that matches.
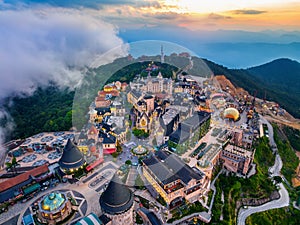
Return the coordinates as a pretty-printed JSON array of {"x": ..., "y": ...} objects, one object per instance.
[
  {"x": 48, "y": 109},
  {"x": 279, "y": 81}
]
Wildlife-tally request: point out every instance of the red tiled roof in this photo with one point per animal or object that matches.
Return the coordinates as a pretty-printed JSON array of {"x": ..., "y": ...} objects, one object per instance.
[
  {"x": 102, "y": 103},
  {"x": 101, "y": 93},
  {"x": 94, "y": 164},
  {"x": 100, "y": 98},
  {"x": 23, "y": 177},
  {"x": 109, "y": 151},
  {"x": 110, "y": 86}
]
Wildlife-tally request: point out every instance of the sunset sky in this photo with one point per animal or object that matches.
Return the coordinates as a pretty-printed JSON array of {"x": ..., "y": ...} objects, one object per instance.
[
  {"x": 246, "y": 32},
  {"x": 192, "y": 14},
  {"x": 209, "y": 15}
]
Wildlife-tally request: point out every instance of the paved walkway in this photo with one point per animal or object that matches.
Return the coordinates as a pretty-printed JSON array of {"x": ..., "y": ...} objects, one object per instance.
[
  {"x": 284, "y": 199},
  {"x": 130, "y": 182},
  {"x": 213, "y": 187}
]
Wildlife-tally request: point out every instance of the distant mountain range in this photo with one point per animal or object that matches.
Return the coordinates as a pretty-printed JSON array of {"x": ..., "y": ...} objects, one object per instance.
[
  {"x": 231, "y": 48},
  {"x": 279, "y": 80}
]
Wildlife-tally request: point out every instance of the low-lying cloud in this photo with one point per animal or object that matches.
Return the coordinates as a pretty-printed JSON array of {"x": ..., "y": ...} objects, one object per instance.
[
  {"x": 37, "y": 46},
  {"x": 6, "y": 126},
  {"x": 46, "y": 44}
]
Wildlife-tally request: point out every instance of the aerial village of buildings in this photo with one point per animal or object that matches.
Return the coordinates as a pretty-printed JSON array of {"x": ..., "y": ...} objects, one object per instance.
[{"x": 150, "y": 146}]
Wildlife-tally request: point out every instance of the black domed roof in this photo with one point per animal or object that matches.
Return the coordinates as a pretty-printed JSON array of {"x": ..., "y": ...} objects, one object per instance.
[
  {"x": 71, "y": 157},
  {"x": 117, "y": 198}
]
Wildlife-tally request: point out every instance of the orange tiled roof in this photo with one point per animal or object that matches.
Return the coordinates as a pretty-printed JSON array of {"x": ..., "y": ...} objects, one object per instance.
[
  {"x": 23, "y": 177},
  {"x": 100, "y": 98}
]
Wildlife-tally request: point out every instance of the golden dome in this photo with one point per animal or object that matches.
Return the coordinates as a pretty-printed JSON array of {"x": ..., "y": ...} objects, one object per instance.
[{"x": 231, "y": 113}]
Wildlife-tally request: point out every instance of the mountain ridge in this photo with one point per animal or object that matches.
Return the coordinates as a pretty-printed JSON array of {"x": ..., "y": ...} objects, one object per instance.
[{"x": 278, "y": 80}]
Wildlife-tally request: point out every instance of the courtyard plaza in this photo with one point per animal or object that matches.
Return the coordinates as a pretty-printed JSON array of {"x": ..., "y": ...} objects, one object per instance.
[
  {"x": 36, "y": 153},
  {"x": 84, "y": 193},
  {"x": 192, "y": 161}
]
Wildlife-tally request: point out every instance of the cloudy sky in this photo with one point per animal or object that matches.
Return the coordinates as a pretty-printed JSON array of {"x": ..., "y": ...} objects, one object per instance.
[
  {"x": 238, "y": 29},
  {"x": 56, "y": 40},
  {"x": 192, "y": 14},
  {"x": 70, "y": 33}
]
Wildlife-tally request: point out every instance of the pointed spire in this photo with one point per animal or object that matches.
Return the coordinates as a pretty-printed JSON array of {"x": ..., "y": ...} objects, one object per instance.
[
  {"x": 71, "y": 157},
  {"x": 162, "y": 55},
  {"x": 117, "y": 198}
]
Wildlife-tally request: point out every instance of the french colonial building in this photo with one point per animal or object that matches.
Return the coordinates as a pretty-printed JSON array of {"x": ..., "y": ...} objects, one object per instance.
[
  {"x": 153, "y": 85},
  {"x": 174, "y": 180}
]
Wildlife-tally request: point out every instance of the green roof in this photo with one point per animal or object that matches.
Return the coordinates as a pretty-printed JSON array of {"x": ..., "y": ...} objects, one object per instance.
[
  {"x": 53, "y": 201},
  {"x": 91, "y": 219},
  {"x": 31, "y": 188}
]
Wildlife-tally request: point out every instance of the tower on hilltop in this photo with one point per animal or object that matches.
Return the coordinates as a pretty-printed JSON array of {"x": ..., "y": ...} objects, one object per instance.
[{"x": 162, "y": 55}]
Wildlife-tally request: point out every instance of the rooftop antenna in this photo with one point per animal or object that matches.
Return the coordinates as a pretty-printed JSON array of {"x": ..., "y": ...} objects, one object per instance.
[{"x": 162, "y": 55}]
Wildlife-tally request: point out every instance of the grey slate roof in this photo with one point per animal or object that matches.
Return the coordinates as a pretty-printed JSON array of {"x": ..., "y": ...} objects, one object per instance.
[
  {"x": 136, "y": 94},
  {"x": 168, "y": 167},
  {"x": 195, "y": 120},
  {"x": 71, "y": 157},
  {"x": 117, "y": 198},
  {"x": 179, "y": 136},
  {"x": 163, "y": 174},
  {"x": 102, "y": 110},
  {"x": 182, "y": 170}
]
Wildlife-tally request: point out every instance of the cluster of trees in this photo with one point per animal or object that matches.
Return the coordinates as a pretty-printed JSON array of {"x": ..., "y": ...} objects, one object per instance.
[
  {"x": 288, "y": 156},
  {"x": 128, "y": 73},
  {"x": 12, "y": 165},
  {"x": 140, "y": 133},
  {"x": 283, "y": 216},
  {"x": 293, "y": 136}
]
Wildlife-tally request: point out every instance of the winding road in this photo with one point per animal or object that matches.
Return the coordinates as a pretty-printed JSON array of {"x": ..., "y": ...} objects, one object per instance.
[{"x": 284, "y": 199}]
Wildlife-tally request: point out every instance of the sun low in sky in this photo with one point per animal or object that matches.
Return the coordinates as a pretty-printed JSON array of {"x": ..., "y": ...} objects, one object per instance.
[
  {"x": 206, "y": 6},
  {"x": 227, "y": 14}
]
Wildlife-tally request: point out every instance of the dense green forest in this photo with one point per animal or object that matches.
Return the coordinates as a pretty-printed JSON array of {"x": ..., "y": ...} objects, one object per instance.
[
  {"x": 293, "y": 135},
  {"x": 283, "y": 216},
  {"x": 48, "y": 109},
  {"x": 289, "y": 158},
  {"x": 279, "y": 80}
]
